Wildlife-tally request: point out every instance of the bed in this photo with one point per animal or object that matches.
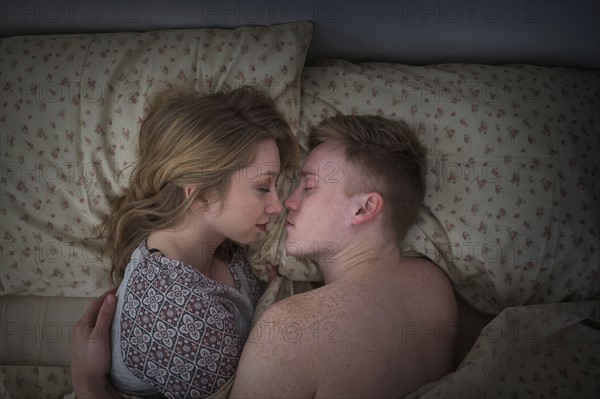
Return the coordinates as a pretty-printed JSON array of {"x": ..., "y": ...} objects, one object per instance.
[{"x": 511, "y": 213}]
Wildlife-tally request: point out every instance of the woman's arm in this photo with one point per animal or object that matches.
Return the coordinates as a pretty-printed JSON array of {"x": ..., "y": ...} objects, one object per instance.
[{"x": 90, "y": 350}]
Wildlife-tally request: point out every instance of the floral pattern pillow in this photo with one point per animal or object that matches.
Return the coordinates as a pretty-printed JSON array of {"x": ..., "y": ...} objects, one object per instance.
[
  {"x": 71, "y": 108},
  {"x": 511, "y": 212}
]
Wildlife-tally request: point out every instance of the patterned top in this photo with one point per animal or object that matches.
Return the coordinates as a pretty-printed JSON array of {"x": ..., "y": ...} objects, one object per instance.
[{"x": 177, "y": 332}]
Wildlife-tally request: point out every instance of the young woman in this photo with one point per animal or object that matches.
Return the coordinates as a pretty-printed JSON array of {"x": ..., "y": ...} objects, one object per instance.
[{"x": 204, "y": 184}]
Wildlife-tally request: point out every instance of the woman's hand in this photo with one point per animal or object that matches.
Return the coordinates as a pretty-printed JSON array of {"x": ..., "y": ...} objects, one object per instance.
[{"x": 90, "y": 350}]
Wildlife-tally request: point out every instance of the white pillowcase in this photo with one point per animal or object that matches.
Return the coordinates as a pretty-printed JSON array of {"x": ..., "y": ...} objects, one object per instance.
[{"x": 71, "y": 109}]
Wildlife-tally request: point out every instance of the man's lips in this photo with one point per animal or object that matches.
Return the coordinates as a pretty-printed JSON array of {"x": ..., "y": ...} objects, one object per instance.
[{"x": 288, "y": 223}]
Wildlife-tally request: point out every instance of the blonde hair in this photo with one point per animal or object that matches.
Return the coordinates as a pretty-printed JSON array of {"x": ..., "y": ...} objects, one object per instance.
[
  {"x": 185, "y": 139},
  {"x": 388, "y": 159}
]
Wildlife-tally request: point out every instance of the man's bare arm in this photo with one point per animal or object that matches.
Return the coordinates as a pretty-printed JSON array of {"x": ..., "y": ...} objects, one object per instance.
[{"x": 273, "y": 362}]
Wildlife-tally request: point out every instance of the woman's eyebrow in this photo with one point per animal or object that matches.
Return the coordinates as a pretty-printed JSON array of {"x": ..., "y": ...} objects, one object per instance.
[
  {"x": 270, "y": 169},
  {"x": 271, "y": 173}
]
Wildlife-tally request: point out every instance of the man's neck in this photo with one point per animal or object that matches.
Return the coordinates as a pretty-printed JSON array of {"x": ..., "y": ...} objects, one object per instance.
[{"x": 358, "y": 257}]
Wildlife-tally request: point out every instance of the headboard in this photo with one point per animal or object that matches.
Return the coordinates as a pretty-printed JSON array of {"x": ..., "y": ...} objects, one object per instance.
[{"x": 418, "y": 32}]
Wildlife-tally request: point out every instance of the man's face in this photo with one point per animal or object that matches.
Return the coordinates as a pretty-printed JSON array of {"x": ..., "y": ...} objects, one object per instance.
[{"x": 318, "y": 209}]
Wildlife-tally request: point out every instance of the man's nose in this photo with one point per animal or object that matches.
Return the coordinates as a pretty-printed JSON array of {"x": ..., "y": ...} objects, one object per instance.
[
  {"x": 274, "y": 207},
  {"x": 291, "y": 202}
]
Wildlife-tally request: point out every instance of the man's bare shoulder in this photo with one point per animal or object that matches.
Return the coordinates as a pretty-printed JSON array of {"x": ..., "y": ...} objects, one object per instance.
[
  {"x": 279, "y": 340},
  {"x": 428, "y": 285},
  {"x": 303, "y": 307},
  {"x": 421, "y": 268},
  {"x": 304, "y": 326},
  {"x": 415, "y": 291},
  {"x": 414, "y": 279},
  {"x": 397, "y": 318}
]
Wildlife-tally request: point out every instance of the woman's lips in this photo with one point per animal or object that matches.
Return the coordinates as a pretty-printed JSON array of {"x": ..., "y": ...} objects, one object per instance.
[{"x": 262, "y": 227}]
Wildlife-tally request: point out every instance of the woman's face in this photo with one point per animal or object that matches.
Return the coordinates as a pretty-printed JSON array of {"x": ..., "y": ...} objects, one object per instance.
[{"x": 251, "y": 198}]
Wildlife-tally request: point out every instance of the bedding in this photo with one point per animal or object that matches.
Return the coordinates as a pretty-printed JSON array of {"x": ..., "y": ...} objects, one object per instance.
[
  {"x": 547, "y": 350},
  {"x": 71, "y": 106},
  {"x": 511, "y": 210},
  {"x": 511, "y": 214}
]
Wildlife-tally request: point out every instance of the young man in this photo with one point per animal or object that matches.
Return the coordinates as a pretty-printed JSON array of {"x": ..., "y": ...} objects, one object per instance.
[{"x": 383, "y": 324}]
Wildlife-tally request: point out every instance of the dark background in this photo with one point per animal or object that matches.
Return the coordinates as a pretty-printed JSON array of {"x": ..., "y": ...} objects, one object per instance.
[{"x": 541, "y": 32}]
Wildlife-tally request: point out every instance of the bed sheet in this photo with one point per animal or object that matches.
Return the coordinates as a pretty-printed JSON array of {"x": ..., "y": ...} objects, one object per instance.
[{"x": 545, "y": 351}]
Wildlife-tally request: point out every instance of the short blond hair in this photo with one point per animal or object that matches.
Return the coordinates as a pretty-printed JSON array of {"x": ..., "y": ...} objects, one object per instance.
[{"x": 387, "y": 157}]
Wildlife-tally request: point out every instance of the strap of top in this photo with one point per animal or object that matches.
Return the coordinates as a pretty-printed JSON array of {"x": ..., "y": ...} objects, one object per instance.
[{"x": 155, "y": 250}]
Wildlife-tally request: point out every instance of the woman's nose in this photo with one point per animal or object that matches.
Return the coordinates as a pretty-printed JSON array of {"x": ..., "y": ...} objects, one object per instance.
[{"x": 275, "y": 206}]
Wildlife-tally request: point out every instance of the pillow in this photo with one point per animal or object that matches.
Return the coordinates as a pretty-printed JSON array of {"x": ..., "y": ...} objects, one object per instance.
[
  {"x": 71, "y": 109},
  {"x": 511, "y": 210}
]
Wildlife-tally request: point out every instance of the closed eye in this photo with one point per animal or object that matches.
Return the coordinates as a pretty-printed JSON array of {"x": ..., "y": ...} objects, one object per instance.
[{"x": 267, "y": 186}]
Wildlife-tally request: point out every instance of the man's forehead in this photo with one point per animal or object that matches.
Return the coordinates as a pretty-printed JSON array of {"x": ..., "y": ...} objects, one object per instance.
[
  {"x": 328, "y": 149},
  {"x": 323, "y": 157}
]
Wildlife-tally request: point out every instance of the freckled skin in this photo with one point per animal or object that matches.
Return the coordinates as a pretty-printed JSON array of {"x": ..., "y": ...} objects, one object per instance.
[
  {"x": 374, "y": 335},
  {"x": 381, "y": 326}
]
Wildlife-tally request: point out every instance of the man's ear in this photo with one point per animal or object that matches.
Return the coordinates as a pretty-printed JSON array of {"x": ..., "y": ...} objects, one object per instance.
[{"x": 369, "y": 206}]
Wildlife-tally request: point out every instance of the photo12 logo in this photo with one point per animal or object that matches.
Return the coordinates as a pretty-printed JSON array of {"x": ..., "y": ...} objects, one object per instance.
[
  {"x": 526, "y": 252},
  {"x": 292, "y": 332},
  {"x": 30, "y": 333},
  {"x": 475, "y": 92},
  {"x": 51, "y": 252},
  {"x": 70, "y": 12},
  {"x": 69, "y": 92},
  {"x": 472, "y": 12},
  {"x": 489, "y": 172},
  {"x": 24, "y": 176},
  {"x": 269, "y": 12}
]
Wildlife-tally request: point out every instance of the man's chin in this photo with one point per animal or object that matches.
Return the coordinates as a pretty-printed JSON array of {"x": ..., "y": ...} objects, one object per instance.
[{"x": 293, "y": 248}]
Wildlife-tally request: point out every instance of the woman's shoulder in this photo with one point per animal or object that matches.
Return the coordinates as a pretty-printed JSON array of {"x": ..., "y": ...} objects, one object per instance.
[
  {"x": 172, "y": 321},
  {"x": 176, "y": 329},
  {"x": 156, "y": 283}
]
